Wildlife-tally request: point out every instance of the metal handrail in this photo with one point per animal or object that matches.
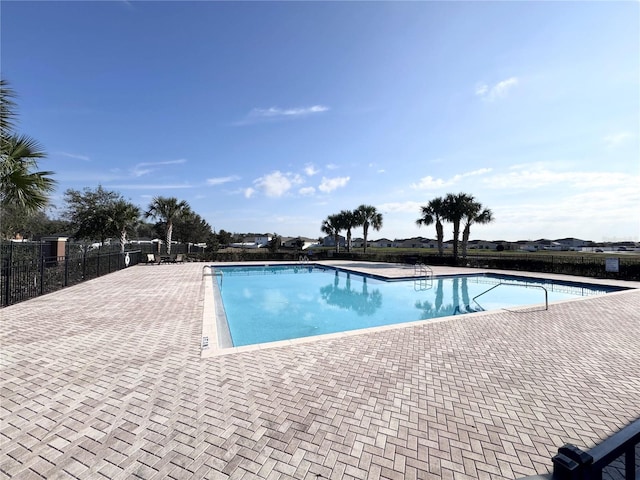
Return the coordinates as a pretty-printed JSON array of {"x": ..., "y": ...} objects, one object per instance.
[
  {"x": 213, "y": 273},
  {"x": 546, "y": 294},
  {"x": 421, "y": 270}
]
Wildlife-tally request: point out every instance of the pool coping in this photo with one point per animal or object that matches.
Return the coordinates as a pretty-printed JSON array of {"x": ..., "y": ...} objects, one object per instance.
[{"x": 216, "y": 337}]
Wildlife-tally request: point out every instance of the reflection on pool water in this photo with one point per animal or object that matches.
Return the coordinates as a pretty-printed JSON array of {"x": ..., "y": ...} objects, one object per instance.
[{"x": 266, "y": 304}]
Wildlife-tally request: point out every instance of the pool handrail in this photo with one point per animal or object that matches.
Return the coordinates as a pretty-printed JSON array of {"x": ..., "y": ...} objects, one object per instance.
[
  {"x": 213, "y": 273},
  {"x": 546, "y": 294},
  {"x": 425, "y": 277}
]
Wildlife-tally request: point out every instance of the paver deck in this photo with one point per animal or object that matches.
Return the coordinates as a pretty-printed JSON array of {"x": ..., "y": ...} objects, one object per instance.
[{"x": 105, "y": 380}]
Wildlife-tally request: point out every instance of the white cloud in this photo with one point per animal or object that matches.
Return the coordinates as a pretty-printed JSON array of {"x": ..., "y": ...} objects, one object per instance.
[
  {"x": 310, "y": 170},
  {"x": 428, "y": 182},
  {"x": 332, "y": 166},
  {"x": 75, "y": 156},
  {"x": 276, "y": 184},
  {"x": 306, "y": 191},
  {"x": 249, "y": 192},
  {"x": 277, "y": 113},
  {"x": 145, "y": 168},
  {"x": 395, "y": 207},
  {"x": 616, "y": 139},
  {"x": 330, "y": 184},
  {"x": 499, "y": 90},
  {"x": 482, "y": 89},
  {"x": 151, "y": 186},
  {"x": 480, "y": 171},
  {"x": 222, "y": 180},
  {"x": 536, "y": 175},
  {"x": 287, "y": 112},
  {"x": 588, "y": 214}
]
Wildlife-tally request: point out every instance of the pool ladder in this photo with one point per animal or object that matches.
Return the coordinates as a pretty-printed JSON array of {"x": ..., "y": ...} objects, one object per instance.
[
  {"x": 425, "y": 277},
  {"x": 546, "y": 294},
  {"x": 212, "y": 273}
]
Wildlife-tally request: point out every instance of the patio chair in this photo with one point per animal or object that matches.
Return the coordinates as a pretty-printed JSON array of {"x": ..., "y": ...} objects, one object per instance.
[
  {"x": 179, "y": 258},
  {"x": 151, "y": 258}
]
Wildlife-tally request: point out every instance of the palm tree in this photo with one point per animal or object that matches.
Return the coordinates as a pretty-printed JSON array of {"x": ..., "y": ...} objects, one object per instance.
[
  {"x": 332, "y": 226},
  {"x": 434, "y": 212},
  {"x": 167, "y": 210},
  {"x": 367, "y": 216},
  {"x": 20, "y": 182},
  {"x": 348, "y": 221},
  {"x": 123, "y": 216},
  {"x": 7, "y": 107},
  {"x": 455, "y": 207},
  {"x": 474, "y": 214}
]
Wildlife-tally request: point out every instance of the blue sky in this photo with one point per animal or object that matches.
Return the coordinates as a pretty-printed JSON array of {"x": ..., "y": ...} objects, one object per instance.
[{"x": 269, "y": 116}]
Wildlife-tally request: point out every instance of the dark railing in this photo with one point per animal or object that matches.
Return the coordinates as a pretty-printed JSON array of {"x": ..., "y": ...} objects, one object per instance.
[
  {"x": 28, "y": 270},
  {"x": 617, "y": 452}
]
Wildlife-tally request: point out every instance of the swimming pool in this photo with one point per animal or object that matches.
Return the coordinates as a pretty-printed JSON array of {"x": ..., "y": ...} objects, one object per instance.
[{"x": 271, "y": 303}]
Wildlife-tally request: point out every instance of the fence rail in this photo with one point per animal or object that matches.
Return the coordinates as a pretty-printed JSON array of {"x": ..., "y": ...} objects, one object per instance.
[
  {"x": 29, "y": 270},
  {"x": 615, "y": 458}
]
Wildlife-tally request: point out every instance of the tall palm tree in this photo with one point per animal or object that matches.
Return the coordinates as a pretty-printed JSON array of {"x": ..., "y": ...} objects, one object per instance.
[
  {"x": 167, "y": 210},
  {"x": 122, "y": 217},
  {"x": 367, "y": 216},
  {"x": 348, "y": 220},
  {"x": 455, "y": 207},
  {"x": 474, "y": 213},
  {"x": 20, "y": 182},
  {"x": 434, "y": 212},
  {"x": 332, "y": 226}
]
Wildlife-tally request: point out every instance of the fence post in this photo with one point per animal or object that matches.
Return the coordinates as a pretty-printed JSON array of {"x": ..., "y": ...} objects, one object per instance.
[
  {"x": 42, "y": 264},
  {"x": 66, "y": 264},
  {"x": 571, "y": 463},
  {"x": 41, "y": 268},
  {"x": 8, "y": 272}
]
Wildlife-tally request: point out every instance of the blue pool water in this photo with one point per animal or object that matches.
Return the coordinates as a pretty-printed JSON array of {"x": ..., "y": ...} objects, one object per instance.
[{"x": 266, "y": 304}]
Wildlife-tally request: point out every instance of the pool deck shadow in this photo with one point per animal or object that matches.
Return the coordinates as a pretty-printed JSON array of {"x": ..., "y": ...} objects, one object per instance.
[{"x": 105, "y": 380}]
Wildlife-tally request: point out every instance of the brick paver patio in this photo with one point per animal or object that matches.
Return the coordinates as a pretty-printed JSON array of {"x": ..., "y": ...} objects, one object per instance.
[{"x": 105, "y": 380}]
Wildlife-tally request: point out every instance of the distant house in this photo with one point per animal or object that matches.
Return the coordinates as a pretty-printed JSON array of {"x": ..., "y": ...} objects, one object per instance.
[
  {"x": 382, "y": 243},
  {"x": 358, "y": 242},
  {"x": 482, "y": 245},
  {"x": 329, "y": 241},
  {"x": 540, "y": 244},
  {"x": 260, "y": 241},
  {"x": 294, "y": 242},
  {"x": 415, "y": 242},
  {"x": 571, "y": 243}
]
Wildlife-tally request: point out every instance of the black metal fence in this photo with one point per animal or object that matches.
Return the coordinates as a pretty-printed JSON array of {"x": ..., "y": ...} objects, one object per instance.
[
  {"x": 615, "y": 458},
  {"x": 28, "y": 270}
]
